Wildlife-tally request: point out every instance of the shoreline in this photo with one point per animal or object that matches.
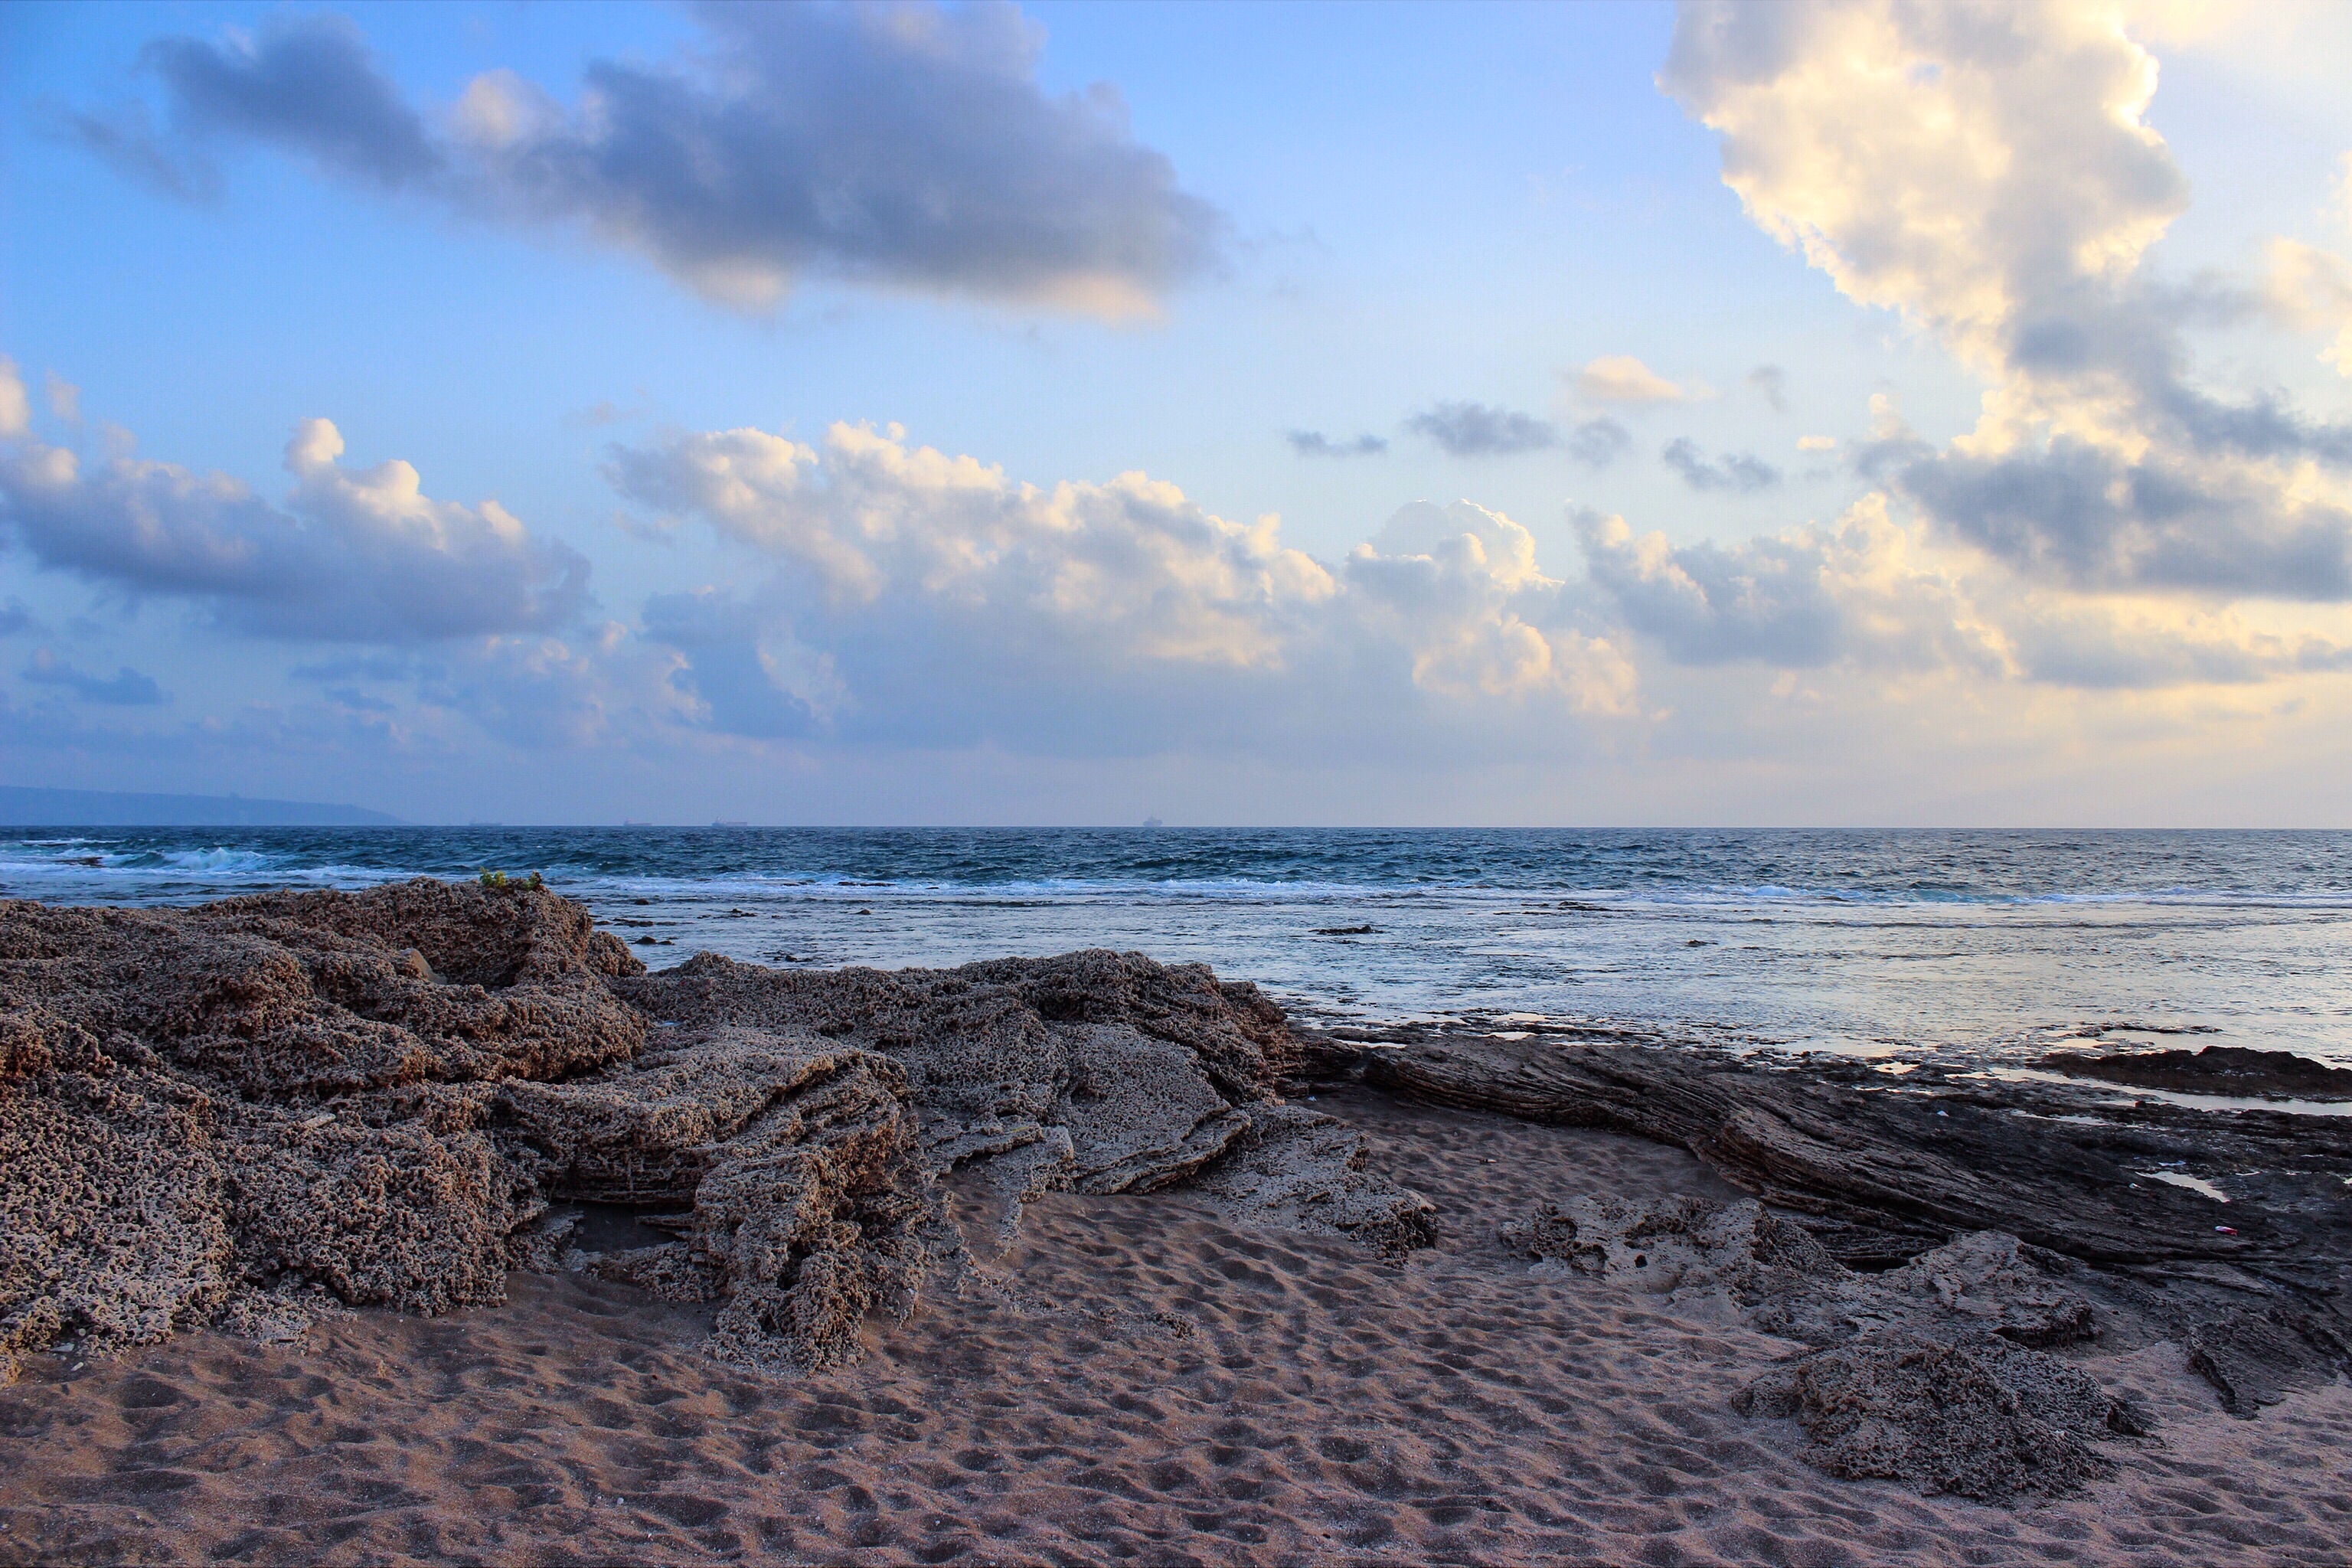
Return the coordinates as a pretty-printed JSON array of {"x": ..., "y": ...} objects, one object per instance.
[{"x": 1212, "y": 1288}]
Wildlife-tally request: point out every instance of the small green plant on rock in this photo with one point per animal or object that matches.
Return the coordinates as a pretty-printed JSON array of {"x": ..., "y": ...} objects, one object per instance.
[{"x": 498, "y": 881}]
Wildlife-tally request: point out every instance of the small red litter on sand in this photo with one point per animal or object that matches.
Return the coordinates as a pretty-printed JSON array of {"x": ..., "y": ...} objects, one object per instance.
[{"x": 2227, "y": 1229}]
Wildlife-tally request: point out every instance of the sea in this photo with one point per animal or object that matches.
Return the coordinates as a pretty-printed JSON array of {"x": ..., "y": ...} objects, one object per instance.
[{"x": 1980, "y": 947}]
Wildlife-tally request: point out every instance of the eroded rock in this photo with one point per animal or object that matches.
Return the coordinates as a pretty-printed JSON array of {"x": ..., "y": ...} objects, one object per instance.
[
  {"x": 217, "y": 1115},
  {"x": 2254, "y": 1355},
  {"x": 1099, "y": 1070},
  {"x": 1923, "y": 1374},
  {"x": 1977, "y": 1416}
]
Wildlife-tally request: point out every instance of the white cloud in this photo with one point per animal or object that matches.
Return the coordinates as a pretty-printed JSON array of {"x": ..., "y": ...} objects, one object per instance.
[
  {"x": 1621, "y": 378},
  {"x": 1867, "y": 597},
  {"x": 912, "y": 588},
  {"x": 1989, "y": 173},
  {"x": 2312, "y": 290},
  {"x": 355, "y": 555},
  {"x": 15, "y": 409}
]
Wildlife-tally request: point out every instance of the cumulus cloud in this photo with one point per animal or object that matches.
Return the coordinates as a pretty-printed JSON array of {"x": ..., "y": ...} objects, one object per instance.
[
  {"x": 2311, "y": 288},
  {"x": 1482, "y": 430},
  {"x": 16, "y": 408},
  {"x": 1741, "y": 471},
  {"x": 355, "y": 555},
  {"x": 127, "y": 688},
  {"x": 906, "y": 146},
  {"x": 1988, "y": 173},
  {"x": 920, "y": 593},
  {"x": 1863, "y": 594},
  {"x": 1314, "y": 444},
  {"x": 1621, "y": 378},
  {"x": 1807, "y": 597}
]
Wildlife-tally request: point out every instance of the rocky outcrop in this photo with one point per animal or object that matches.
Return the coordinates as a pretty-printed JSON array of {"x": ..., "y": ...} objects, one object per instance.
[
  {"x": 1934, "y": 1373},
  {"x": 1102, "y": 1071},
  {"x": 2254, "y": 1355},
  {"x": 1977, "y": 1416},
  {"x": 237, "y": 1113},
  {"x": 1877, "y": 1163},
  {"x": 2216, "y": 1069}
]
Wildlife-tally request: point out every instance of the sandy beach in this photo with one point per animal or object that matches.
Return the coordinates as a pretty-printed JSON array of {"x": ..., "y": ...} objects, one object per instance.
[{"x": 1137, "y": 1380}]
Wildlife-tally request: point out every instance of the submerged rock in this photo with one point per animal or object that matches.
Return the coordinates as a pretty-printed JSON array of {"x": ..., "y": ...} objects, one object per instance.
[{"x": 2216, "y": 1069}]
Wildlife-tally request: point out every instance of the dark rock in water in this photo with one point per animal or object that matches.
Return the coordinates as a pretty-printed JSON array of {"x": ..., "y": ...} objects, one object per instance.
[
  {"x": 1889, "y": 1162},
  {"x": 2216, "y": 1069},
  {"x": 2254, "y": 1356},
  {"x": 1979, "y": 1417},
  {"x": 233, "y": 1112}
]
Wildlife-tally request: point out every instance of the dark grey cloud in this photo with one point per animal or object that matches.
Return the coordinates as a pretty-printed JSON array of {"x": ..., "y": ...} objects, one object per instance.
[
  {"x": 127, "y": 688},
  {"x": 2084, "y": 516},
  {"x": 1773, "y": 383},
  {"x": 14, "y": 617},
  {"x": 1741, "y": 471},
  {"x": 1482, "y": 430},
  {"x": 1712, "y": 604},
  {"x": 1597, "y": 443},
  {"x": 904, "y": 145},
  {"x": 1314, "y": 444},
  {"x": 354, "y": 556},
  {"x": 310, "y": 85}
]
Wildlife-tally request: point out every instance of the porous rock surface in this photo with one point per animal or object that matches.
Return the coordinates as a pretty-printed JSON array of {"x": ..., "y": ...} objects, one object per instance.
[
  {"x": 244, "y": 1112},
  {"x": 1933, "y": 1374},
  {"x": 1977, "y": 1415}
]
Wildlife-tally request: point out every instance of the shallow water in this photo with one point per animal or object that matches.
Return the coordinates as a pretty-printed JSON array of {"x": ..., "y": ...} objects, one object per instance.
[{"x": 1974, "y": 945}]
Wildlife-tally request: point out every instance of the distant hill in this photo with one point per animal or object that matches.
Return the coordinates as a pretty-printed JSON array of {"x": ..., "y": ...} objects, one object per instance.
[{"x": 22, "y": 807}]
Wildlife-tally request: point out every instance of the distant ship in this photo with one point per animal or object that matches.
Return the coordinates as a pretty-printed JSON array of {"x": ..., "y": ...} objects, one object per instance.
[
  {"x": 634, "y": 822},
  {"x": 1153, "y": 822}
]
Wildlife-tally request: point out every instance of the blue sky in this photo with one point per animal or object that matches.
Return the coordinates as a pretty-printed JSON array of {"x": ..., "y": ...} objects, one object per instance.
[{"x": 1835, "y": 414}]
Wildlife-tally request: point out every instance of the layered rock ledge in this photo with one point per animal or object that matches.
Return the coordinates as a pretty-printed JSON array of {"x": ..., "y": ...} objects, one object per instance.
[{"x": 250, "y": 1112}]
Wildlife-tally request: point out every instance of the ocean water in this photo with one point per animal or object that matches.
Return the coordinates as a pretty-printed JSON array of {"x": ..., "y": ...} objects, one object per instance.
[{"x": 1984, "y": 946}]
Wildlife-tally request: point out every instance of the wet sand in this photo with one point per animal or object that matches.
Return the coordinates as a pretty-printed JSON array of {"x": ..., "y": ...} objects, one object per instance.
[{"x": 1133, "y": 1380}]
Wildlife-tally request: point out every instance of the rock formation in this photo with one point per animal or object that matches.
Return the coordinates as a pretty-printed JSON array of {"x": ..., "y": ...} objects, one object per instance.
[
  {"x": 2216, "y": 1069},
  {"x": 235, "y": 1112},
  {"x": 1934, "y": 1373}
]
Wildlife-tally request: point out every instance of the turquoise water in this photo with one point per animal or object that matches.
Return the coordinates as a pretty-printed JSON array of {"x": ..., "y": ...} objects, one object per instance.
[{"x": 1967, "y": 944}]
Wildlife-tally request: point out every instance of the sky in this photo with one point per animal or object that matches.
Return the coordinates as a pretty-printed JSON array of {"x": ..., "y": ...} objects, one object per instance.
[{"x": 1869, "y": 414}]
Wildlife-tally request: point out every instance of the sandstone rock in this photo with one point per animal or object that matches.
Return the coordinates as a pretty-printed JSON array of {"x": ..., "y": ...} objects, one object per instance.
[
  {"x": 245, "y": 1111},
  {"x": 1149, "y": 1075},
  {"x": 1980, "y": 1416},
  {"x": 208, "y": 1113}
]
